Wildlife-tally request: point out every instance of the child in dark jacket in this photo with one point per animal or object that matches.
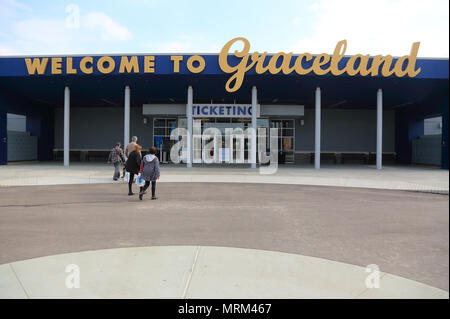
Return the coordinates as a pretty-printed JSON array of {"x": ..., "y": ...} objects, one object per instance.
[{"x": 149, "y": 172}]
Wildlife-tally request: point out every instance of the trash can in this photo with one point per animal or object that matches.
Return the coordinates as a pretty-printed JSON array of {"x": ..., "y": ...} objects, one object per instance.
[{"x": 281, "y": 157}]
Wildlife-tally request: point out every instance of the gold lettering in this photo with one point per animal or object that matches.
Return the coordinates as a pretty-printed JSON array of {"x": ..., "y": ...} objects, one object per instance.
[
  {"x": 109, "y": 68},
  {"x": 83, "y": 65},
  {"x": 240, "y": 68},
  {"x": 56, "y": 65},
  {"x": 195, "y": 69},
  {"x": 285, "y": 65},
  {"x": 129, "y": 64},
  {"x": 320, "y": 60},
  {"x": 376, "y": 63},
  {"x": 69, "y": 67},
  {"x": 259, "y": 61},
  {"x": 149, "y": 64},
  {"x": 411, "y": 65},
  {"x": 338, "y": 54},
  {"x": 176, "y": 62},
  {"x": 362, "y": 67},
  {"x": 298, "y": 67},
  {"x": 37, "y": 65}
]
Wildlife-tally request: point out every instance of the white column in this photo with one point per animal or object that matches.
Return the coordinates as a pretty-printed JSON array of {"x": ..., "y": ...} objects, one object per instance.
[
  {"x": 66, "y": 125},
  {"x": 379, "y": 128},
  {"x": 317, "y": 133},
  {"x": 190, "y": 101},
  {"x": 254, "y": 127},
  {"x": 126, "y": 117}
]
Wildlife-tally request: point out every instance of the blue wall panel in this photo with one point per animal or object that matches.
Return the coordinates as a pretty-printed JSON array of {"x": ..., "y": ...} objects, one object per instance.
[
  {"x": 40, "y": 123},
  {"x": 410, "y": 125},
  {"x": 3, "y": 136},
  {"x": 430, "y": 68},
  {"x": 445, "y": 119}
]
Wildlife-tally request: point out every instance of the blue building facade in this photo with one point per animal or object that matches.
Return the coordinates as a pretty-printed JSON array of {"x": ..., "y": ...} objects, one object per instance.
[{"x": 98, "y": 84}]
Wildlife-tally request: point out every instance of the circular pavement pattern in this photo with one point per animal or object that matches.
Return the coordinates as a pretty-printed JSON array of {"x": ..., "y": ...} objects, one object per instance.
[
  {"x": 404, "y": 233},
  {"x": 199, "y": 272}
]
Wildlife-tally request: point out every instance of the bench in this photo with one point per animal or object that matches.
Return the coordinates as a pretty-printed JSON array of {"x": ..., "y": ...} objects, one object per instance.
[
  {"x": 325, "y": 157},
  {"x": 82, "y": 155},
  {"x": 85, "y": 155},
  {"x": 387, "y": 157},
  {"x": 353, "y": 157},
  {"x": 341, "y": 157}
]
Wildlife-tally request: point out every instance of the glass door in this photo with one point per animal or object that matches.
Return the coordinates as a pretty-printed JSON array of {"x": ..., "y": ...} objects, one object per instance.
[
  {"x": 286, "y": 139},
  {"x": 162, "y": 127}
]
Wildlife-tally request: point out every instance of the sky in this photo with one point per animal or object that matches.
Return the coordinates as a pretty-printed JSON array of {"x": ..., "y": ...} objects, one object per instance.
[{"x": 203, "y": 26}]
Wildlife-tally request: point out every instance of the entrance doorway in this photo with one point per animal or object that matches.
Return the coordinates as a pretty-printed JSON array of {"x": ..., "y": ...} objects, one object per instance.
[
  {"x": 234, "y": 123},
  {"x": 286, "y": 138},
  {"x": 162, "y": 127}
]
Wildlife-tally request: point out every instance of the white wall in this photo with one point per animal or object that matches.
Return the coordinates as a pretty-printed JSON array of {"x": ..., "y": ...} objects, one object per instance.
[{"x": 15, "y": 122}]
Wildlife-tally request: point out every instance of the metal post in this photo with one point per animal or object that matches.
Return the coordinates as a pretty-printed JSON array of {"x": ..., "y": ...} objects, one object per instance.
[
  {"x": 254, "y": 127},
  {"x": 190, "y": 101},
  {"x": 66, "y": 125},
  {"x": 126, "y": 117},
  {"x": 379, "y": 128},
  {"x": 317, "y": 132}
]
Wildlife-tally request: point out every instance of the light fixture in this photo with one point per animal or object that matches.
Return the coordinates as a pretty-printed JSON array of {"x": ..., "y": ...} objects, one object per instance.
[
  {"x": 145, "y": 120},
  {"x": 171, "y": 100},
  {"x": 302, "y": 122},
  {"x": 338, "y": 103},
  {"x": 109, "y": 102}
]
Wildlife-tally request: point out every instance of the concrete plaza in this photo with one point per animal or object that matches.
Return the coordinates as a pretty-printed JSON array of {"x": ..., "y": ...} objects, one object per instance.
[
  {"x": 411, "y": 178},
  {"x": 218, "y": 232}
]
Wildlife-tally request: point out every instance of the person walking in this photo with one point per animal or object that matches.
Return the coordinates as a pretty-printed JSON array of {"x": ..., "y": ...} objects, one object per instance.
[
  {"x": 116, "y": 158},
  {"x": 128, "y": 149},
  {"x": 149, "y": 172},
  {"x": 133, "y": 166}
]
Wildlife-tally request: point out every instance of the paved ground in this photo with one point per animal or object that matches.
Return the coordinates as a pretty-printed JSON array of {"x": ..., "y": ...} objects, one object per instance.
[
  {"x": 404, "y": 233},
  {"x": 420, "y": 179},
  {"x": 199, "y": 272}
]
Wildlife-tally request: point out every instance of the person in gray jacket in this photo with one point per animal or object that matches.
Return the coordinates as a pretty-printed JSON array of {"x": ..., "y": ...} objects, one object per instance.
[
  {"x": 116, "y": 158},
  {"x": 149, "y": 172}
]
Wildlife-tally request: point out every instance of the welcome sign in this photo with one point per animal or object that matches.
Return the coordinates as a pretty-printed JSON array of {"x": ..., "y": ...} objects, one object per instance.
[{"x": 237, "y": 63}]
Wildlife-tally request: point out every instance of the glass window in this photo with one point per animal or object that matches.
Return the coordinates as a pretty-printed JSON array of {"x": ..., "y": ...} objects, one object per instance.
[
  {"x": 288, "y": 132},
  {"x": 263, "y": 122},
  {"x": 287, "y": 143},
  {"x": 160, "y": 131},
  {"x": 182, "y": 122},
  {"x": 286, "y": 137},
  {"x": 159, "y": 122},
  {"x": 288, "y": 123}
]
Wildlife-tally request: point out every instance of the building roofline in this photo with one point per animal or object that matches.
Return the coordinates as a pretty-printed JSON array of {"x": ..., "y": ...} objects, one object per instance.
[{"x": 169, "y": 54}]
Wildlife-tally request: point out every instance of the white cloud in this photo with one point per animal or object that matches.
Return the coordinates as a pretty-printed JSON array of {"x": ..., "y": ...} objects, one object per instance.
[
  {"x": 54, "y": 36},
  {"x": 9, "y": 8},
  {"x": 296, "y": 21},
  {"x": 379, "y": 27},
  {"x": 5, "y": 50},
  {"x": 107, "y": 28},
  {"x": 40, "y": 32},
  {"x": 184, "y": 44}
]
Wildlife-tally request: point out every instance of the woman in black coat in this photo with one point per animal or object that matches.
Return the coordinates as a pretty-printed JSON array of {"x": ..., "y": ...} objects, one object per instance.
[{"x": 133, "y": 165}]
